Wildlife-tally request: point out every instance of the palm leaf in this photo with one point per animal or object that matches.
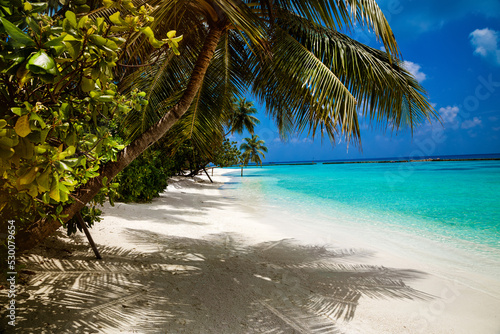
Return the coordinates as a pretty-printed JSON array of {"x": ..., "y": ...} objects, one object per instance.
[
  {"x": 308, "y": 92},
  {"x": 343, "y": 15},
  {"x": 374, "y": 79}
]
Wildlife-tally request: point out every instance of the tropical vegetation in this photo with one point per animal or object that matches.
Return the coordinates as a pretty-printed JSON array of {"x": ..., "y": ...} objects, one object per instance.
[
  {"x": 241, "y": 117},
  {"x": 69, "y": 78},
  {"x": 145, "y": 178},
  {"x": 252, "y": 149},
  {"x": 60, "y": 105}
]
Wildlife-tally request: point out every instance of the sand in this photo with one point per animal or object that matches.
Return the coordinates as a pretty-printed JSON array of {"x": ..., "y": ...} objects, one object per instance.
[{"x": 196, "y": 260}]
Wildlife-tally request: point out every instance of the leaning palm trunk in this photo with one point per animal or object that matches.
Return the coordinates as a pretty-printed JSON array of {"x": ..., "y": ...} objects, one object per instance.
[{"x": 43, "y": 228}]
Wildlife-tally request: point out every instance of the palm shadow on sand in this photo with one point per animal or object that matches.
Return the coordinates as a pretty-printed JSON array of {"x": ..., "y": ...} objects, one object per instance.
[{"x": 215, "y": 285}]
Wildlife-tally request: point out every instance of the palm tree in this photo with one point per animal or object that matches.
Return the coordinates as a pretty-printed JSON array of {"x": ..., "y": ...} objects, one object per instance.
[
  {"x": 252, "y": 150},
  {"x": 241, "y": 117},
  {"x": 290, "y": 53}
]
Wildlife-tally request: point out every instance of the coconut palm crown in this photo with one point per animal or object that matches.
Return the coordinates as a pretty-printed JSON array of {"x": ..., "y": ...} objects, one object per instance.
[
  {"x": 252, "y": 150},
  {"x": 241, "y": 118}
]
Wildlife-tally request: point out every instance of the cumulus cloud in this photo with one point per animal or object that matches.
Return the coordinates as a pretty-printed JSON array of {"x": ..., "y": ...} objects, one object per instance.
[
  {"x": 471, "y": 123},
  {"x": 298, "y": 140},
  {"x": 449, "y": 113},
  {"x": 486, "y": 44},
  {"x": 414, "y": 69},
  {"x": 451, "y": 120}
]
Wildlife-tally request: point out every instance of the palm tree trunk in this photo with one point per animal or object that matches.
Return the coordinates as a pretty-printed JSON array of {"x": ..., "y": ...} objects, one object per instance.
[{"x": 36, "y": 233}]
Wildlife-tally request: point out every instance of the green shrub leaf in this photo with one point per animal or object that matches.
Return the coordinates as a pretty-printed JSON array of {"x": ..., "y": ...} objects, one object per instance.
[
  {"x": 22, "y": 126},
  {"x": 19, "y": 38},
  {"x": 71, "y": 18},
  {"x": 41, "y": 62}
]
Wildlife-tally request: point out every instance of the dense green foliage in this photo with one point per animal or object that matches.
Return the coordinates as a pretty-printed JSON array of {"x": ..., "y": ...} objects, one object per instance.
[
  {"x": 292, "y": 56},
  {"x": 145, "y": 178},
  {"x": 227, "y": 154},
  {"x": 59, "y": 103}
]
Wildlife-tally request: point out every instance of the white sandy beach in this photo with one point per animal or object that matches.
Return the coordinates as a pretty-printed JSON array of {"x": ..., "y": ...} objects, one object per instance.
[{"x": 198, "y": 261}]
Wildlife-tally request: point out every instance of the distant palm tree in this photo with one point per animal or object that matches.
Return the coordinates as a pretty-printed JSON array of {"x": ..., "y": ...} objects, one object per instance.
[
  {"x": 252, "y": 150},
  {"x": 241, "y": 117}
]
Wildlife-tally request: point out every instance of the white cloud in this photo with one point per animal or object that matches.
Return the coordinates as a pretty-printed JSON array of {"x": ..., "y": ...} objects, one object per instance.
[
  {"x": 493, "y": 118},
  {"x": 449, "y": 113},
  {"x": 472, "y": 134},
  {"x": 471, "y": 123},
  {"x": 298, "y": 140},
  {"x": 486, "y": 43},
  {"x": 414, "y": 69},
  {"x": 496, "y": 129},
  {"x": 381, "y": 138}
]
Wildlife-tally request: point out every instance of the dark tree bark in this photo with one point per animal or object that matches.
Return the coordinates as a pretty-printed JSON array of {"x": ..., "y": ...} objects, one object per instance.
[{"x": 36, "y": 233}]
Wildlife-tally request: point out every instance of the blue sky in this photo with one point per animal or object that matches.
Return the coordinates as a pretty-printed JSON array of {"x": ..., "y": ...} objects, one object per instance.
[{"x": 453, "y": 48}]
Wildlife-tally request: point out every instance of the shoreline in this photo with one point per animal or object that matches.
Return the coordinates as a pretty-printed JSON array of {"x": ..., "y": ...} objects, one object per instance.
[
  {"x": 407, "y": 160},
  {"x": 198, "y": 260},
  {"x": 393, "y": 161}
]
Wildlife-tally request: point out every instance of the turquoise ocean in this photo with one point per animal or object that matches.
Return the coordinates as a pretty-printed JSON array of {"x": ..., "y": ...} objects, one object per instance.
[{"x": 453, "y": 204}]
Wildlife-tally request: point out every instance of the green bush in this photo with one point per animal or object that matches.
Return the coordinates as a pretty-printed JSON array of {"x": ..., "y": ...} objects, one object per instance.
[{"x": 145, "y": 178}]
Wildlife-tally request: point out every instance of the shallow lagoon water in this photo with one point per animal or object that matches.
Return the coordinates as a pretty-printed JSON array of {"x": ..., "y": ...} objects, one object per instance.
[{"x": 448, "y": 211}]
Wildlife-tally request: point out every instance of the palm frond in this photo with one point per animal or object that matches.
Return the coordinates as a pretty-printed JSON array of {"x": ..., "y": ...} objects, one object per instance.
[
  {"x": 343, "y": 15},
  {"x": 308, "y": 94},
  {"x": 386, "y": 91},
  {"x": 253, "y": 149}
]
